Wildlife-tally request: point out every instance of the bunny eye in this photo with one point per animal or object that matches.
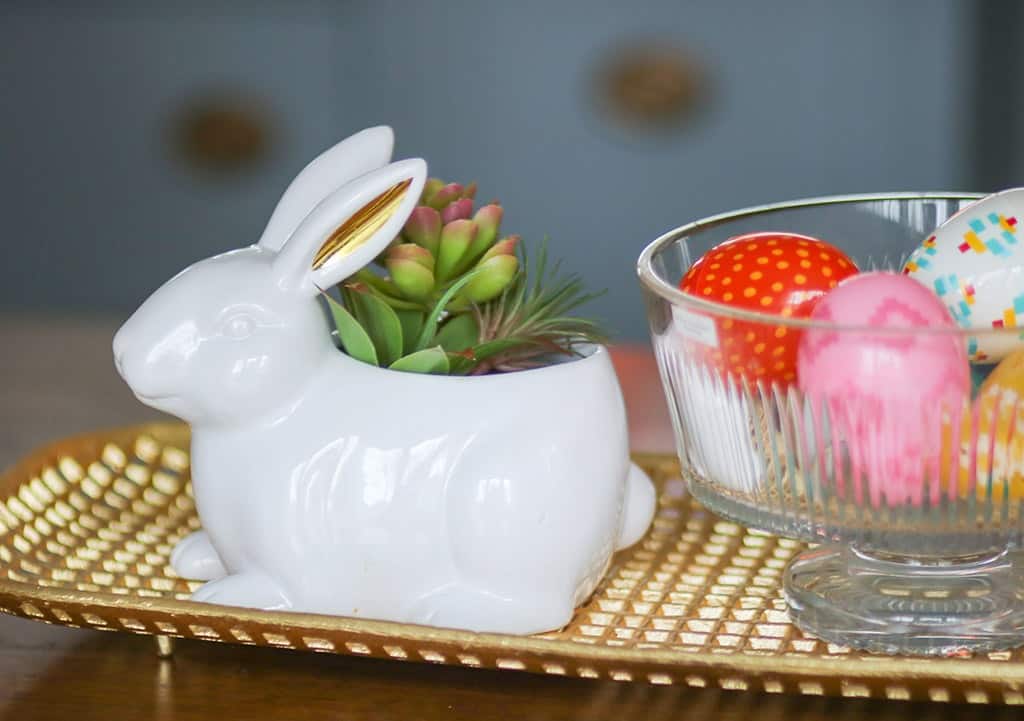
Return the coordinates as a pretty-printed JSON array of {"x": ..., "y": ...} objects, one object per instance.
[{"x": 239, "y": 326}]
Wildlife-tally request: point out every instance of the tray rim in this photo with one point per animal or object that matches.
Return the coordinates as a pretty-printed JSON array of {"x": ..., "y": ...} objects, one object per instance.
[{"x": 676, "y": 662}]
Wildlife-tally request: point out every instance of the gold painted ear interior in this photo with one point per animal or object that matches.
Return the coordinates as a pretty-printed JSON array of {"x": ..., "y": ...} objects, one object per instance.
[{"x": 355, "y": 231}]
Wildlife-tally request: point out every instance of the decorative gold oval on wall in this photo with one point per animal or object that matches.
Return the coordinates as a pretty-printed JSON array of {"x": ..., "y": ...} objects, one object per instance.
[
  {"x": 647, "y": 84},
  {"x": 221, "y": 132}
]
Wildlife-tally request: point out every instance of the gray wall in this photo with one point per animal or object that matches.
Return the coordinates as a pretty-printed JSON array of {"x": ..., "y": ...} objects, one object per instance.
[{"x": 807, "y": 98}]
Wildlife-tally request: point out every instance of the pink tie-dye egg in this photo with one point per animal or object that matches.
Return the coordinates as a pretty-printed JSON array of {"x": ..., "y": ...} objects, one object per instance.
[{"x": 883, "y": 394}]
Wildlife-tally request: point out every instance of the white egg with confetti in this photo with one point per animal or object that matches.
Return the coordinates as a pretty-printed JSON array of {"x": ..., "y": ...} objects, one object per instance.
[{"x": 975, "y": 264}]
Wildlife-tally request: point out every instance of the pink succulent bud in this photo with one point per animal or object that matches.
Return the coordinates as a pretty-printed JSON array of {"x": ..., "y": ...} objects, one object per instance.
[
  {"x": 456, "y": 237},
  {"x": 446, "y": 195},
  {"x": 461, "y": 209},
  {"x": 412, "y": 278},
  {"x": 492, "y": 278},
  {"x": 424, "y": 228},
  {"x": 487, "y": 220},
  {"x": 470, "y": 191},
  {"x": 430, "y": 189},
  {"x": 413, "y": 252},
  {"x": 505, "y": 246}
]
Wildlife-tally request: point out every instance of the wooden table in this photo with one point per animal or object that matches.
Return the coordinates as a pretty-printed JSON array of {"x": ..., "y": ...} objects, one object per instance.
[{"x": 56, "y": 378}]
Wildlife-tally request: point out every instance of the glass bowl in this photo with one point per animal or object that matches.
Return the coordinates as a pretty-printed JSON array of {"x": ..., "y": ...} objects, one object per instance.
[{"x": 914, "y": 509}]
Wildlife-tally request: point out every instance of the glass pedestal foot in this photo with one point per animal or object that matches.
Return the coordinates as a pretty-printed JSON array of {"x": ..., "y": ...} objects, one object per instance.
[{"x": 907, "y": 605}]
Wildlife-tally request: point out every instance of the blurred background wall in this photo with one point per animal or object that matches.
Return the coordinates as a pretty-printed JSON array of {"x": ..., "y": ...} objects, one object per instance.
[{"x": 138, "y": 137}]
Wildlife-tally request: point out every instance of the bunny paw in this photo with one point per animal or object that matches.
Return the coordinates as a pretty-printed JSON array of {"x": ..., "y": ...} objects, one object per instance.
[
  {"x": 459, "y": 606},
  {"x": 248, "y": 590},
  {"x": 195, "y": 557},
  {"x": 639, "y": 506}
]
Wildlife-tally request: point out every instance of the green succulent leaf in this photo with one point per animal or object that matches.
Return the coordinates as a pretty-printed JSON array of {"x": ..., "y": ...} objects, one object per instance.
[
  {"x": 434, "y": 316},
  {"x": 458, "y": 333},
  {"x": 415, "y": 281},
  {"x": 429, "y": 360},
  {"x": 397, "y": 303},
  {"x": 487, "y": 220},
  {"x": 494, "y": 275},
  {"x": 380, "y": 322},
  {"x": 460, "y": 364},
  {"x": 386, "y": 291},
  {"x": 354, "y": 339},
  {"x": 411, "y": 251},
  {"x": 412, "y": 324},
  {"x": 455, "y": 241},
  {"x": 364, "y": 275}
]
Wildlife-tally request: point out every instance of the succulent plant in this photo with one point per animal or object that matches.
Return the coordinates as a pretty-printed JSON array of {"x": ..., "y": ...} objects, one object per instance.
[{"x": 454, "y": 298}]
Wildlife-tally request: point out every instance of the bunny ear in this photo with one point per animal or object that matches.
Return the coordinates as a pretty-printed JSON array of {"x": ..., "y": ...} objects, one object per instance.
[
  {"x": 354, "y": 156},
  {"x": 350, "y": 227}
]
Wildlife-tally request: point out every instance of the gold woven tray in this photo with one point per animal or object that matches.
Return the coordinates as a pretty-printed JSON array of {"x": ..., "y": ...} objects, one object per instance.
[{"x": 87, "y": 524}]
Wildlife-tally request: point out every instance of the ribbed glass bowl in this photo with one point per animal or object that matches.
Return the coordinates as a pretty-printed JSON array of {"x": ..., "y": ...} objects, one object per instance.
[{"x": 918, "y": 518}]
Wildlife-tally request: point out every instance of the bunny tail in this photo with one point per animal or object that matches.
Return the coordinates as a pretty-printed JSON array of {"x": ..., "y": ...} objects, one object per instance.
[{"x": 639, "y": 507}]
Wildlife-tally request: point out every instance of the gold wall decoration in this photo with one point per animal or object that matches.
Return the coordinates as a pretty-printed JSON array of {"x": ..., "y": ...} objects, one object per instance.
[
  {"x": 222, "y": 132},
  {"x": 650, "y": 84}
]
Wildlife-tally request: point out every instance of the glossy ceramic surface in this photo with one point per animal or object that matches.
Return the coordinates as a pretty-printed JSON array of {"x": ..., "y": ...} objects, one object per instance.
[{"x": 487, "y": 503}]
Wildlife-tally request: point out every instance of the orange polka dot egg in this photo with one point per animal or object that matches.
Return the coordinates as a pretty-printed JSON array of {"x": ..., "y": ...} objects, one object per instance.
[{"x": 781, "y": 274}]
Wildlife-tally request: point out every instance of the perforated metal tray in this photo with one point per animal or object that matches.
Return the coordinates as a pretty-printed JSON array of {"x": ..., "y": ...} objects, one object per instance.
[{"x": 87, "y": 525}]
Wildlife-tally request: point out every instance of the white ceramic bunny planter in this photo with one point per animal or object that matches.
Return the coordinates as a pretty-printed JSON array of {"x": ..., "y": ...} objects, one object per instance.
[{"x": 490, "y": 503}]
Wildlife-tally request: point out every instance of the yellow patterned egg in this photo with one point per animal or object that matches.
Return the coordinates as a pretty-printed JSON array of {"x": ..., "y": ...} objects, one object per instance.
[
  {"x": 991, "y": 446},
  {"x": 1009, "y": 374}
]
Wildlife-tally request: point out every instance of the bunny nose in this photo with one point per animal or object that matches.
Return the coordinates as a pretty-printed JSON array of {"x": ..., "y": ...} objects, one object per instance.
[
  {"x": 123, "y": 357},
  {"x": 119, "y": 350}
]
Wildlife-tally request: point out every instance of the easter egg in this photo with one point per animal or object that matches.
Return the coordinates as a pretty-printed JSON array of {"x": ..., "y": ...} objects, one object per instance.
[
  {"x": 991, "y": 440},
  {"x": 1009, "y": 374},
  {"x": 883, "y": 384},
  {"x": 974, "y": 262},
  {"x": 992, "y": 447},
  {"x": 774, "y": 273}
]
